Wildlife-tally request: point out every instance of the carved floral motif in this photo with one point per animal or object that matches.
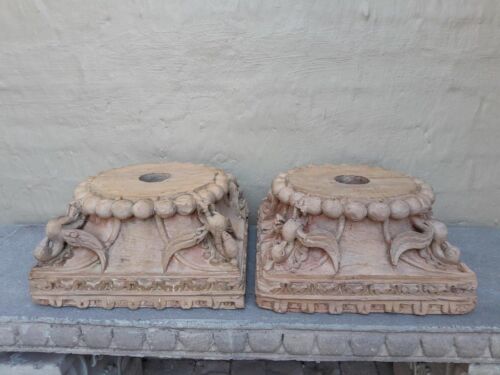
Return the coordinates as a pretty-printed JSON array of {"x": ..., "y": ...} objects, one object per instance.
[
  {"x": 126, "y": 236},
  {"x": 316, "y": 238}
]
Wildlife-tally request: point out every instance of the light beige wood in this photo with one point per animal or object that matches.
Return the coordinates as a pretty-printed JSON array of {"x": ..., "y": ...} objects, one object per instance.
[
  {"x": 167, "y": 180},
  {"x": 326, "y": 181},
  {"x": 154, "y": 235},
  {"x": 357, "y": 239}
]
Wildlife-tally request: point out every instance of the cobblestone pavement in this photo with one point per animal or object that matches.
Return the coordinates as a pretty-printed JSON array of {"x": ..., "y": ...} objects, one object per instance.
[
  {"x": 69, "y": 364},
  {"x": 192, "y": 367}
]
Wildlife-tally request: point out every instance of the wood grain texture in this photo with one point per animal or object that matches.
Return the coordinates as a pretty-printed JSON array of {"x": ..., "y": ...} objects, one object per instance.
[
  {"x": 119, "y": 245},
  {"x": 126, "y": 183},
  {"x": 322, "y": 181},
  {"x": 325, "y": 248}
]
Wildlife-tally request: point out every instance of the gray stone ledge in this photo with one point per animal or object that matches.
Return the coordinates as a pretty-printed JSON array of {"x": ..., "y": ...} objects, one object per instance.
[
  {"x": 252, "y": 333},
  {"x": 250, "y": 344}
]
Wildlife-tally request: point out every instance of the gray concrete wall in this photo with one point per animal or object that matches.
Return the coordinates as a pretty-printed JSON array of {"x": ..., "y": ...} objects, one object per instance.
[{"x": 255, "y": 87}]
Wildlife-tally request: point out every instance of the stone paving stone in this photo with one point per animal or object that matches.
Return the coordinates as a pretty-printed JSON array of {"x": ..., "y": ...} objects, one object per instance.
[
  {"x": 230, "y": 341},
  {"x": 298, "y": 343},
  {"x": 264, "y": 341},
  {"x": 133, "y": 367},
  {"x": 358, "y": 368},
  {"x": 331, "y": 343},
  {"x": 422, "y": 368},
  {"x": 157, "y": 366},
  {"x": 284, "y": 368},
  {"x": 400, "y": 368},
  {"x": 65, "y": 336},
  {"x": 445, "y": 368},
  {"x": 366, "y": 345},
  {"x": 495, "y": 347},
  {"x": 97, "y": 337},
  {"x": 321, "y": 368},
  {"x": 468, "y": 347},
  {"x": 384, "y": 368},
  {"x": 34, "y": 335},
  {"x": 212, "y": 368},
  {"x": 437, "y": 345},
  {"x": 7, "y": 336},
  {"x": 196, "y": 341},
  {"x": 128, "y": 338},
  {"x": 402, "y": 345},
  {"x": 34, "y": 364},
  {"x": 484, "y": 369},
  {"x": 107, "y": 365},
  {"x": 63, "y": 364},
  {"x": 248, "y": 367},
  {"x": 161, "y": 339}
]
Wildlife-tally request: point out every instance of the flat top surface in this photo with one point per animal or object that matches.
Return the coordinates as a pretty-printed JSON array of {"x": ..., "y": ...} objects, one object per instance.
[
  {"x": 151, "y": 180},
  {"x": 480, "y": 250},
  {"x": 357, "y": 181}
]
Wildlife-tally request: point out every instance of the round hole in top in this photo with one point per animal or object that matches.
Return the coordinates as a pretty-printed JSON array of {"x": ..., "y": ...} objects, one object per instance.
[
  {"x": 154, "y": 177},
  {"x": 351, "y": 179}
]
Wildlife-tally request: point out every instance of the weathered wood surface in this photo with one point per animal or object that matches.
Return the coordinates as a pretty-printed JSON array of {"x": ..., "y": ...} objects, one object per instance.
[
  {"x": 151, "y": 235},
  {"x": 339, "y": 238},
  {"x": 251, "y": 333}
]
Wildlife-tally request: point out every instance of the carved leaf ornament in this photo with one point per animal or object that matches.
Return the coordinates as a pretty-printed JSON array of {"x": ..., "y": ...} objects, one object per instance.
[
  {"x": 322, "y": 239},
  {"x": 80, "y": 238},
  {"x": 410, "y": 240},
  {"x": 382, "y": 249},
  {"x": 182, "y": 241}
]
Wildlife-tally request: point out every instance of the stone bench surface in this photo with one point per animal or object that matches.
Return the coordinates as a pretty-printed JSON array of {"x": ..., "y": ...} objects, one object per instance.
[{"x": 251, "y": 333}]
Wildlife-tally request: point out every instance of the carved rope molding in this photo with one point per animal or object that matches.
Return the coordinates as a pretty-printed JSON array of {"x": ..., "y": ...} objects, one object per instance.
[{"x": 276, "y": 344}]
